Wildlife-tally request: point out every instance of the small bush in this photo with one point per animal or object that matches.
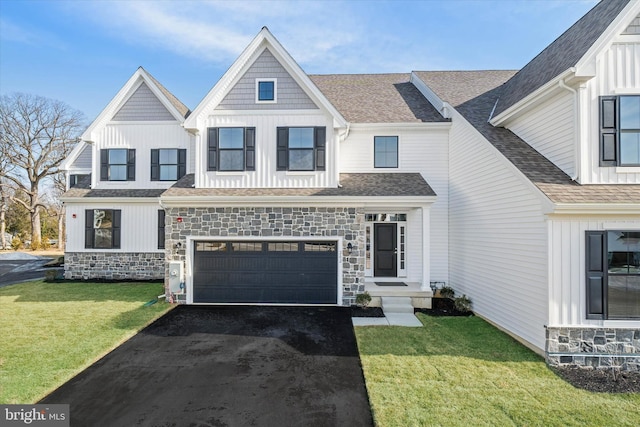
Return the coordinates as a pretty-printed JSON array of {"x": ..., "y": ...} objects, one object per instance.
[
  {"x": 463, "y": 304},
  {"x": 363, "y": 299},
  {"x": 447, "y": 292},
  {"x": 35, "y": 245},
  {"x": 46, "y": 244},
  {"x": 52, "y": 276},
  {"x": 16, "y": 243}
]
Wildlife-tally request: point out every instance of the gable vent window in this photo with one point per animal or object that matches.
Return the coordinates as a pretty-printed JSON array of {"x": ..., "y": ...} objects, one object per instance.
[
  {"x": 231, "y": 149},
  {"x": 620, "y": 130},
  {"x": 168, "y": 165},
  {"x": 117, "y": 165},
  {"x": 301, "y": 149},
  {"x": 266, "y": 90}
]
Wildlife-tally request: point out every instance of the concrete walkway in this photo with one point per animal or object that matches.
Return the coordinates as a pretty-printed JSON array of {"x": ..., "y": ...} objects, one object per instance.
[{"x": 390, "y": 319}]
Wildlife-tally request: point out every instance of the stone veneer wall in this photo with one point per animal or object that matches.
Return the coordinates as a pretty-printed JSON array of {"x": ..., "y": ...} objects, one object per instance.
[
  {"x": 114, "y": 265},
  {"x": 594, "y": 347},
  {"x": 262, "y": 223}
]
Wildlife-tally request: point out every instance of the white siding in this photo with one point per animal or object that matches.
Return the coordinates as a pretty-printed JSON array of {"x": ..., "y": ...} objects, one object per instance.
[
  {"x": 142, "y": 137},
  {"x": 497, "y": 238},
  {"x": 549, "y": 129},
  {"x": 265, "y": 175},
  {"x": 618, "y": 73},
  {"x": 567, "y": 294},
  {"x": 422, "y": 151},
  {"x": 139, "y": 226}
]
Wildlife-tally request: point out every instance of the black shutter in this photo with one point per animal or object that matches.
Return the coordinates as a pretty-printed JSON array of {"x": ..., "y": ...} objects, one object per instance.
[
  {"x": 596, "y": 264},
  {"x": 115, "y": 229},
  {"x": 608, "y": 131},
  {"x": 131, "y": 165},
  {"x": 155, "y": 165},
  {"x": 282, "y": 149},
  {"x": 182, "y": 162},
  {"x": 161, "y": 229},
  {"x": 104, "y": 165},
  {"x": 320, "y": 138},
  {"x": 212, "y": 159},
  {"x": 250, "y": 149},
  {"x": 88, "y": 228}
]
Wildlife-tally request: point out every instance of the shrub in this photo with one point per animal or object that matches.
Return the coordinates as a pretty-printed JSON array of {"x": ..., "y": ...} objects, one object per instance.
[
  {"x": 16, "y": 243},
  {"x": 363, "y": 299},
  {"x": 52, "y": 276},
  {"x": 463, "y": 304},
  {"x": 447, "y": 292},
  {"x": 35, "y": 245}
]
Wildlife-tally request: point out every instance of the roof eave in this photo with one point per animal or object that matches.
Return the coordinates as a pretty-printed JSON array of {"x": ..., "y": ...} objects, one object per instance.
[
  {"x": 381, "y": 201},
  {"x": 624, "y": 209}
]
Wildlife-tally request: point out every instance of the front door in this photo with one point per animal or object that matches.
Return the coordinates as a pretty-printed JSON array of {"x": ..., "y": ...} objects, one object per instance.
[{"x": 385, "y": 250}]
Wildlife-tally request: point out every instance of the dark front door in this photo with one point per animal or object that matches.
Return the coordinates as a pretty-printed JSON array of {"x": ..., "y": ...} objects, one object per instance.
[{"x": 385, "y": 250}]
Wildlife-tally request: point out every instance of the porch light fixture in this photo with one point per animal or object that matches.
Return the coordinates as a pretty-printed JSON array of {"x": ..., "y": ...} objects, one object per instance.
[{"x": 350, "y": 248}]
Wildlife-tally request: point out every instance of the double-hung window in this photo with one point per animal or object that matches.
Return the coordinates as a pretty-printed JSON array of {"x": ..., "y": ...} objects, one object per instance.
[
  {"x": 385, "y": 151},
  {"x": 117, "y": 164},
  {"x": 231, "y": 149},
  {"x": 613, "y": 274},
  {"x": 102, "y": 229},
  {"x": 620, "y": 130},
  {"x": 168, "y": 164},
  {"x": 301, "y": 148}
]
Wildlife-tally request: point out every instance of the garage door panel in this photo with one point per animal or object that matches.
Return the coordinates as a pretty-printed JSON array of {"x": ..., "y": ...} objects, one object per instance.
[{"x": 265, "y": 272}]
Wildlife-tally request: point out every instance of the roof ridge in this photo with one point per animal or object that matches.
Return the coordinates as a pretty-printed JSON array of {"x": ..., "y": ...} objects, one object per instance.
[{"x": 179, "y": 105}]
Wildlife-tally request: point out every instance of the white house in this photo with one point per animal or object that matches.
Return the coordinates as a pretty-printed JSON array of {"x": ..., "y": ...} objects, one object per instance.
[{"x": 519, "y": 189}]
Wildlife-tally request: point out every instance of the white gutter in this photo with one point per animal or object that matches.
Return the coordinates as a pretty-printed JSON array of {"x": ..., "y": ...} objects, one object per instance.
[
  {"x": 333, "y": 201},
  {"x": 618, "y": 209},
  {"x": 576, "y": 124}
]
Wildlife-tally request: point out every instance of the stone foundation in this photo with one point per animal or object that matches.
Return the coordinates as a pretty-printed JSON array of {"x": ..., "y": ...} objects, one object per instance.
[
  {"x": 265, "y": 223},
  {"x": 594, "y": 347},
  {"x": 114, "y": 265}
]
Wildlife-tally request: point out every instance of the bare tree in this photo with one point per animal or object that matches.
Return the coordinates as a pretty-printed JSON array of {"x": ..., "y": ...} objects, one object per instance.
[
  {"x": 4, "y": 200},
  {"x": 36, "y": 134},
  {"x": 59, "y": 187}
]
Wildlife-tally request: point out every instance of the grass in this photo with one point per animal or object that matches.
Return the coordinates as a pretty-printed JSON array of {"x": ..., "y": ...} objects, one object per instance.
[
  {"x": 52, "y": 331},
  {"x": 461, "y": 371}
]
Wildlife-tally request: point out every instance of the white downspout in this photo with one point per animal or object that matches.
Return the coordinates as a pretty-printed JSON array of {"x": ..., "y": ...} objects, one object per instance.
[
  {"x": 341, "y": 137},
  {"x": 576, "y": 133}
]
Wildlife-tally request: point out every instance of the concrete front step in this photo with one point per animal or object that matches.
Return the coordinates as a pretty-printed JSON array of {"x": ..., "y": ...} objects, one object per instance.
[{"x": 397, "y": 305}]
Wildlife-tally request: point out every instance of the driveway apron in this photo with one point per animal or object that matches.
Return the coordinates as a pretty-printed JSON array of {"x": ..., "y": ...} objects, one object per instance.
[{"x": 227, "y": 366}]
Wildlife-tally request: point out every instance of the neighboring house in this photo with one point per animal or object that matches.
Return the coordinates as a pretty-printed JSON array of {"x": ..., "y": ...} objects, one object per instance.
[{"x": 519, "y": 189}]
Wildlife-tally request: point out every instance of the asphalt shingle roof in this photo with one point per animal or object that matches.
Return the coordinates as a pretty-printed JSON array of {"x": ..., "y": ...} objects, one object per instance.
[
  {"x": 562, "y": 54},
  {"x": 182, "y": 109},
  {"x": 118, "y": 193},
  {"x": 551, "y": 180},
  {"x": 376, "y": 98},
  {"x": 353, "y": 185}
]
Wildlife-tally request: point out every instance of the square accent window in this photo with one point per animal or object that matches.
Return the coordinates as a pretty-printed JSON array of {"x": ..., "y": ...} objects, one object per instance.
[
  {"x": 266, "y": 90},
  {"x": 385, "y": 149},
  {"x": 620, "y": 130}
]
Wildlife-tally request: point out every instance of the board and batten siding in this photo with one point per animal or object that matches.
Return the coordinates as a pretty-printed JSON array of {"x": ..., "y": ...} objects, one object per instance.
[
  {"x": 497, "y": 237},
  {"x": 142, "y": 105},
  {"x": 265, "y": 174},
  {"x": 289, "y": 94},
  {"x": 567, "y": 253},
  {"x": 617, "y": 73},
  {"x": 139, "y": 225},
  {"x": 143, "y": 137},
  {"x": 422, "y": 151},
  {"x": 549, "y": 129}
]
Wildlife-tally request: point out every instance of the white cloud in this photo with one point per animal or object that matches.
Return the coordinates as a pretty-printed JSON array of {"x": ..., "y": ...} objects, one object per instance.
[{"x": 10, "y": 31}]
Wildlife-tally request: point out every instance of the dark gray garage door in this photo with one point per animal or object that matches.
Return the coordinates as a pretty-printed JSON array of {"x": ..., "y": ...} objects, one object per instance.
[{"x": 265, "y": 272}]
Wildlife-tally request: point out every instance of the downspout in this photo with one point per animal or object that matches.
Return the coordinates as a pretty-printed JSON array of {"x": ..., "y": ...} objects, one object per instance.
[
  {"x": 576, "y": 133},
  {"x": 341, "y": 137}
]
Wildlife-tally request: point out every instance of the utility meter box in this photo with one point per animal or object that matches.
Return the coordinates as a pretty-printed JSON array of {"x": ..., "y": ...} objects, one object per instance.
[{"x": 176, "y": 276}]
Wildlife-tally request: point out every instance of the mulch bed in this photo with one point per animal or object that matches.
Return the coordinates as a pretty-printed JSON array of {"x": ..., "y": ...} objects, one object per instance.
[
  {"x": 443, "y": 307},
  {"x": 366, "y": 312},
  {"x": 600, "y": 380}
]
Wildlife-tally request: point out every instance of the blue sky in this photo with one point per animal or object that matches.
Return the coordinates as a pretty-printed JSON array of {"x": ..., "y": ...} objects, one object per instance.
[{"x": 82, "y": 51}]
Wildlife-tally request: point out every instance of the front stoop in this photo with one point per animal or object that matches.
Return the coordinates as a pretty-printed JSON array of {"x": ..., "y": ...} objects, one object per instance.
[{"x": 399, "y": 312}]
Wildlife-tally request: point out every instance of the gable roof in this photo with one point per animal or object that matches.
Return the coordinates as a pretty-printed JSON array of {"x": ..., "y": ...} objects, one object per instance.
[
  {"x": 264, "y": 39},
  {"x": 377, "y": 98},
  {"x": 451, "y": 87},
  {"x": 177, "y": 109},
  {"x": 561, "y": 55}
]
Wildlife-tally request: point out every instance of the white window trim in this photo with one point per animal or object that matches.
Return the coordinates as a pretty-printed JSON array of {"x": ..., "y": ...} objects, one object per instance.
[{"x": 275, "y": 91}]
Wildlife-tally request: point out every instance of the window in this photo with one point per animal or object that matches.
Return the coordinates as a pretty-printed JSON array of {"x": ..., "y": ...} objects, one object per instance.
[
  {"x": 266, "y": 90},
  {"x": 102, "y": 229},
  {"x": 168, "y": 164},
  {"x": 231, "y": 149},
  {"x": 301, "y": 149},
  {"x": 117, "y": 164},
  {"x": 161, "y": 226},
  {"x": 385, "y": 151},
  {"x": 620, "y": 130},
  {"x": 613, "y": 274},
  {"x": 75, "y": 180}
]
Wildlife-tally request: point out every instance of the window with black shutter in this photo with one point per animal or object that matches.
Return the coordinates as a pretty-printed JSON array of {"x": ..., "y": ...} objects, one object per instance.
[
  {"x": 231, "y": 149},
  {"x": 117, "y": 164},
  {"x": 301, "y": 148},
  {"x": 168, "y": 164},
  {"x": 102, "y": 229},
  {"x": 620, "y": 130}
]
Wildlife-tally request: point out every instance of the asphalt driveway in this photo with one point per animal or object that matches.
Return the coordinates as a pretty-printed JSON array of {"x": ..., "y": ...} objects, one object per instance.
[
  {"x": 16, "y": 267},
  {"x": 227, "y": 366}
]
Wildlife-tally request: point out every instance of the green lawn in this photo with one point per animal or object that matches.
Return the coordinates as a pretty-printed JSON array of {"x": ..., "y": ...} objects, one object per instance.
[
  {"x": 461, "y": 371},
  {"x": 51, "y": 331}
]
